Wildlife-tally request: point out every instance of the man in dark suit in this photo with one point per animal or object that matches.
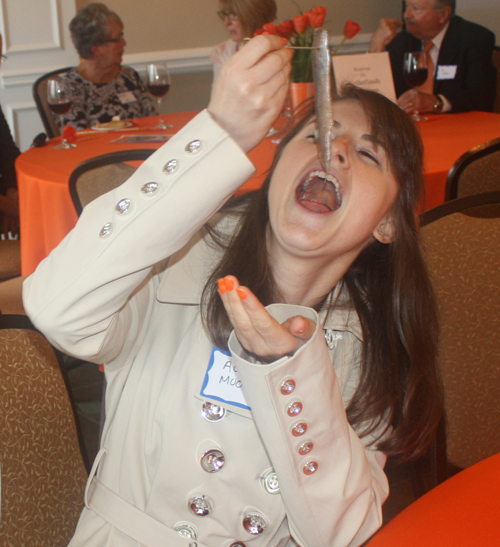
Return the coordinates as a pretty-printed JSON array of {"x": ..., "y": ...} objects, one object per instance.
[{"x": 464, "y": 77}]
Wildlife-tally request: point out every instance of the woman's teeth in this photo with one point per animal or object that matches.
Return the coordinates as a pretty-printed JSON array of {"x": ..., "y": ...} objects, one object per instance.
[{"x": 320, "y": 192}]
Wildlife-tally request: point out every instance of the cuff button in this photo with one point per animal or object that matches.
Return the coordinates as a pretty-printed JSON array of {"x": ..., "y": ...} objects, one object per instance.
[
  {"x": 193, "y": 147},
  {"x": 170, "y": 167},
  {"x": 106, "y": 230},
  {"x": 310, "y": 468}
]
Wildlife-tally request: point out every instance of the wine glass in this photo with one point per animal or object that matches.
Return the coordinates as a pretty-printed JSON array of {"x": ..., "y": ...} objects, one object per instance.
[
  {"x": 59, "y": 100},
  {"x": 415, "y": 73},
  {"x": 158, "y": 84}
]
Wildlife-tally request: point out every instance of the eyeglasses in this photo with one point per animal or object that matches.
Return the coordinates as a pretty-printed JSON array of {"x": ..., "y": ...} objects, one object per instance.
[
  {"x": 115, "y": 40},
  {"x": 229, "y": 14},
  {"x": 3, "y": 58}
]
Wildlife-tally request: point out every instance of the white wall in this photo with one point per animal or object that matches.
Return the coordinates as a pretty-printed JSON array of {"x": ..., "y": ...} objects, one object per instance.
[
  {"x": 36, "y": 40},
  {"x": 182, "y": 32},
  {"x": 484, "y": 12}
]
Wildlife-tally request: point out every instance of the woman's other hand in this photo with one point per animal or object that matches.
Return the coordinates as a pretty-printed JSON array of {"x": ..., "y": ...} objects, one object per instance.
[
  {"x": 251, "y": 89},
  {"x": 257, "y": 331}
]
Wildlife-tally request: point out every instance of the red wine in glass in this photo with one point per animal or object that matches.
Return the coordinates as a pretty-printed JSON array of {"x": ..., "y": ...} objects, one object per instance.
[
  {"x": 59, "y": 101},
  {"x": 158, "y": 84},
  {"x": 416, "y": 77},
  {"x": 415, "y": 72},
  {"x": 158, "y": 90},
  {"x": 61, "y": 106}
]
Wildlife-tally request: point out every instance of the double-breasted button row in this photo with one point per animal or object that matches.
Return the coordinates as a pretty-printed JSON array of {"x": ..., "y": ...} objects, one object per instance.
[
  {"x": 213, "y": 461},
  {"x": 293, "y": 409},
  {"x": 151, "y": 188}
]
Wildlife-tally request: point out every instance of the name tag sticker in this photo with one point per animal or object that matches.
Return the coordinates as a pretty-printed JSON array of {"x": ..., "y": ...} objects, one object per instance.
[
  {"x": 446, "y": 72},
  {"x": 221, "y": 380},
  {"x": 127, "y": 97}
]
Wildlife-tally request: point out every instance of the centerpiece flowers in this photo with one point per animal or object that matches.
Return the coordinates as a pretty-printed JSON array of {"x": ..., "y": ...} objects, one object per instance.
[{"x": 299, "y": 32}]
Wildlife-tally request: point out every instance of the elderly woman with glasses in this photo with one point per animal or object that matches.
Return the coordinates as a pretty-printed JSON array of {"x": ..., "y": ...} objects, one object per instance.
[
  {"x": 241, "y": 18},
  {"x": 101, "y": 87}
]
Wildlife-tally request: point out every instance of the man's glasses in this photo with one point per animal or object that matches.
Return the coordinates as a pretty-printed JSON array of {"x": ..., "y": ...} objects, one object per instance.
[{"x": 229, "y": 14}]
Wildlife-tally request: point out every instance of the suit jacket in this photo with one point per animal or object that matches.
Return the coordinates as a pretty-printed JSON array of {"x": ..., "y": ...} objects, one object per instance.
[
  {"x": 128, "y": 296},
  {"x": 469, "y": 47}
]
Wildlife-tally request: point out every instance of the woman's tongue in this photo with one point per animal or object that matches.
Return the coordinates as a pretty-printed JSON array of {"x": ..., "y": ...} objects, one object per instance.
[{"x": 317, "y": 196}]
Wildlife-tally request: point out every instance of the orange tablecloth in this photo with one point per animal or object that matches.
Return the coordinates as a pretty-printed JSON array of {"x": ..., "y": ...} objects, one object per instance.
[
  {"x": 446, "y": 137},
  {"x": 460, "y": 512},
  {"x": 47, "y": 213}
]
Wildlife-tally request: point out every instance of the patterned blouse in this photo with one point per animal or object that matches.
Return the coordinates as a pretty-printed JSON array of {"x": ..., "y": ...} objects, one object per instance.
[{"x": 125, "y": 96}]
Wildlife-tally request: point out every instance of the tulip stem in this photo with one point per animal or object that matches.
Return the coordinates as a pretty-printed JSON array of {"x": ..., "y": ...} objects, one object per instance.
[{"x": 338, "y": 46}]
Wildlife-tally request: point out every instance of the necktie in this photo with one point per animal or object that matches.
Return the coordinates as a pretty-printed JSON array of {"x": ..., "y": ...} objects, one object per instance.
[{"x": 428, "y": 85}]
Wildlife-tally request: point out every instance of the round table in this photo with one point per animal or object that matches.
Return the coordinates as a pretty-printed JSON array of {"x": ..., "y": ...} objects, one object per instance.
[
  {"x": 461, "y": 512},
  {"x": 47, "y": 213}
]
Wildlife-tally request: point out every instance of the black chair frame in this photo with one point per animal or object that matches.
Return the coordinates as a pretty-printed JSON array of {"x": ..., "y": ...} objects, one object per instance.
[
  {"x": 38, "y": 101},
  {"x": 100, "y": 161},
  {"x": 476, "y": 153},
  {"x": 458, "y": 205}
]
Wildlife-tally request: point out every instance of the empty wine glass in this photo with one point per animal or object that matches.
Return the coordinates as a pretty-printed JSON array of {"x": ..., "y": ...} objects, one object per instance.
[
  {"x": 158, "y": 84},
  {"x": 60, "y": 102},
  {"x": 415, "y": 73}
]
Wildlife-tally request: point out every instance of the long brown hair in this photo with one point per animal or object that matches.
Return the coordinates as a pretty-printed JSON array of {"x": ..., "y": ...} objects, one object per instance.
[{"x": 388, "y": 284}]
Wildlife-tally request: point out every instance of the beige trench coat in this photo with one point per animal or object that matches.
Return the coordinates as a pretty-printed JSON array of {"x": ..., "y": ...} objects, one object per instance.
[{"x": 183, "y": 437}]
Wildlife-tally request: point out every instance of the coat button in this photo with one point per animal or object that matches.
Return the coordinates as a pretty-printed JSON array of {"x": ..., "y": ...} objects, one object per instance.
[
  {"x": 269, "y": 481},
  {"x": 149, "y": 188},
  {"x": 123, "y": 206},
  {"x": 213, "y": 461},
  {"x": 254, "y": 523},
  {"x": 310, "y": 468},
  {"x": 299, "y": 429},
  {"x": 238, "y": 544},
  {"x": 170, "y": 167},
  {"x": 294, "y": 409},
  {"x": 200, "y": 506},
  {"x": 186, "y": 530},
  {"x": 106, "y": 230},
  {"x": 212, "y": 413},
  {"x": 305, "y": 448},
  {"x": 193, "y": 147},
  {"x": 287, "y": 386}
]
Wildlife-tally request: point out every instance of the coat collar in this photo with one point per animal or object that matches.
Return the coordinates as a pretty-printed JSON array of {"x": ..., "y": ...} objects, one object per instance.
[{"x": 188, "y": 270}]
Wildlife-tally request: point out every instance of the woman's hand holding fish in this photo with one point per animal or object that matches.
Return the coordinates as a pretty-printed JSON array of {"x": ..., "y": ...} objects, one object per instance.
[{"x": 250, "y": 91}]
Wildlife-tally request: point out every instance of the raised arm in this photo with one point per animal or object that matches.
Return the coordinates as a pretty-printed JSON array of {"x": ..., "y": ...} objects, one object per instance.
[
  {"x": 79, "y": 294},
  {"x": 384, "y": 34}
]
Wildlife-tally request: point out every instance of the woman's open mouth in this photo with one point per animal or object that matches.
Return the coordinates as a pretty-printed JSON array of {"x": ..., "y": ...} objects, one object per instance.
[{"x": 319, "y": 193}]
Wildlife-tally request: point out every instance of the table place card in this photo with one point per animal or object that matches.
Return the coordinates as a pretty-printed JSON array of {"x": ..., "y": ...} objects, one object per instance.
[
  {"x": 140, "y": 139},
  {"x": 367, "y": 70}
]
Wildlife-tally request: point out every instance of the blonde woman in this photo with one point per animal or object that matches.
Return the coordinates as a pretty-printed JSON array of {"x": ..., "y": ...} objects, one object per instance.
[{"x": 241, "y": 18}]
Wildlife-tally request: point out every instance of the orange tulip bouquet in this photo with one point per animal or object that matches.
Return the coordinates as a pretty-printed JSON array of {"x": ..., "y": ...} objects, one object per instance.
[{"x": 299, "y": 33}]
